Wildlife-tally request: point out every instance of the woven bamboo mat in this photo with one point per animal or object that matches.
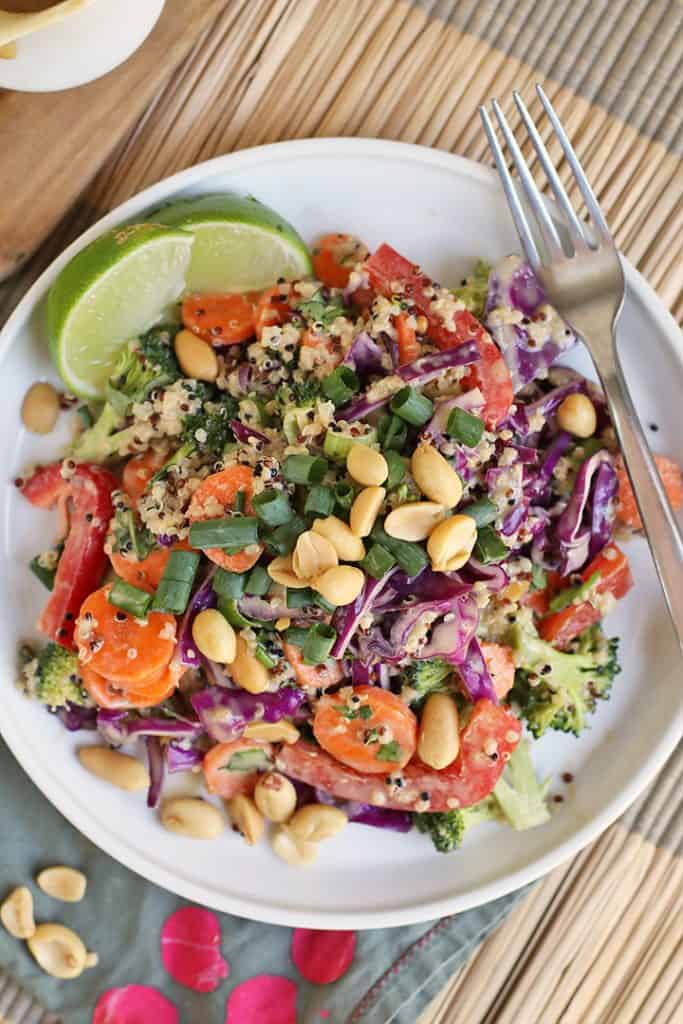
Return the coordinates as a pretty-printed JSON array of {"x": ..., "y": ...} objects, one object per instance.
[{"x": 600, "y": 940}]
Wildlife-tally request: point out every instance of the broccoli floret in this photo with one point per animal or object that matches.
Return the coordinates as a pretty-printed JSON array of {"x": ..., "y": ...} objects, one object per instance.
[
  {"x": 322, "y": 307},
  {"x": 475, "y": 291},
  {"x": 141, "y": 367},
  {"x": 447, "y": 829},
  {"x": 207, "y": 430},
  {"x": 428, "y": 676},
  {"x": 302, "y": 395},
  {"x": 55, "y": 677},
  {"x": 557, "y": 689},
  {"x": 519, "y": 794}
]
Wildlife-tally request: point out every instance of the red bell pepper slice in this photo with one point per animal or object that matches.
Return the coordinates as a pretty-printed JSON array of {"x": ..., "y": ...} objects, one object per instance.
[
  {"x": 559, "y": 628},
  {"x": 87, "y": 491},
  {"x": 387, "y": 269}
]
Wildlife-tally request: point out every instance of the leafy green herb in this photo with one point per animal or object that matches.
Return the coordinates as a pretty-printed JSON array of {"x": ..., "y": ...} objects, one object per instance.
[
  {"x": 389, "y": 752},
  {"x": 573, "y": 595},
  {"x": 318, "y": 310}
]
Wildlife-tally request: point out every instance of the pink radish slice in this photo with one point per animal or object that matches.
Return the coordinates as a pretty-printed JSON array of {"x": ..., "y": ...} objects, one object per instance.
[
  {"x": 134, "y": 1004},
  {"x": 190, "y": 949},
  {"x": 266, "y": 997},
  {"x": 322, "y": 956}
]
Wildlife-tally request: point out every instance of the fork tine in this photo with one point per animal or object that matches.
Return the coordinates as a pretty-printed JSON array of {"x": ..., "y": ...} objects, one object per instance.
[
  {"x": 573, "y": 222},
  {"x": 573, "y": 161},
  {"x": 533, "y": 195},
  {"x": 516, "y": 208}
]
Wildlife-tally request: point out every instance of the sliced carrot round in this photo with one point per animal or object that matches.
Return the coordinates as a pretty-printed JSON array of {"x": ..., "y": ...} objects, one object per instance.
[
  {"x": 334, "y": 257},
  {"x": 144, "y": 573},
  {"x": 215, "y": 497},
  {"x": 108, "y": 695},
  {"x": 367, "y": 728},
  {"x": 670, "y": 473},
  {"x": 220, "y": 319},
  {"x": 312, "y": 677},
  {"x": 273, "y": 308},
  {"x": 227, "y": 782},
  {"x": 138, "y": 472},
  {"x": 119, "y": 647}
]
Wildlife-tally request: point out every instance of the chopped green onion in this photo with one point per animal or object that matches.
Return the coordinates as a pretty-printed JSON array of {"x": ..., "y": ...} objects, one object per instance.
[
  {"x": 412, "y": 406},
  {"x": 322, "y": 603},
  {"x": 465, "y": 427},
  {"x": 539, "y": 577},
  {"x": 227, "y": 606},
  {"x": 85, "y": 416},
  {"x": 240, "y": 502},
  {"x": 319, "y": 501},
  {"x": 228, "y": 584},
  {"x": 337, "y": 445},
  {"x": 344, "y": 494},
  {"x": 304, "y": 469},
  {"x": 392, "y": 433},
  {"x": 397, "y": 469},
  {"x": 258, "y": 582},
  {"x": 282, "y": 539},
  {"x": 389, "y": 752},
  {"x": 266, "y": 659},
  {"x": 341, "y": 385},
  {"x": 410, "y": 556},
  {"x": 248, "y": 761},
  {"x": 272, "y": 507},
  {"x": 574, "y": 595},
  {"x": 483, "y": 511},
  {"x": 45, "y": 575},
  {"x": 175, "y": 585},
  {"x": 130, "y": 599},
  {"x": 295, "y": 635},
  {"x": 318, "y": 644},
  {"x": 377, "y": 562},
  {"x": 231, "y": 532},
  {"x": 300, "y": 598},
  {"x": 489, "y": 546}
]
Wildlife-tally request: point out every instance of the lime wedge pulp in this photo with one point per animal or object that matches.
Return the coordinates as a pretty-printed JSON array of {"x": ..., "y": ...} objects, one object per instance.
[
  {"x": 113, "y": 290},
  {"x": 240, "y": 244}
]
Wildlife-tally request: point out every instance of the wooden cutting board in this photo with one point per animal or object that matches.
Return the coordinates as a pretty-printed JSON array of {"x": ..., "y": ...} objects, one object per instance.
[{"x": 52, "y": 144}]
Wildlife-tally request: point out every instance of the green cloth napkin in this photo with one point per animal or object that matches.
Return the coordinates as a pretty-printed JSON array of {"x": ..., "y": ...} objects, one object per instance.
[{"x": 396, "y": 971}]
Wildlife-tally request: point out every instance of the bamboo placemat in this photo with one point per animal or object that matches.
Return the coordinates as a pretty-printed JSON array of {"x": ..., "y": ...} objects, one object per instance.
[{"x": 599, "y": 941}]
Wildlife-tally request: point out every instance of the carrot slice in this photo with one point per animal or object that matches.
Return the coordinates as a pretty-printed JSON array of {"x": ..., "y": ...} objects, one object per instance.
[
  {"x": 367, "y": 728},
  {"x": 219, "y": 319},
  {"x": 670, "y": 473},
  {"x": 408, "y": 346},
  {"x": 213, "y": 498},
  {"x": 119, "y": 647},
  {"x": 334, "y": 257},
  {"x": 145, "y": 573},
  {"x": 108, "y": 695},
  {"x": 228, "y": 782},
  {"x": 138, "y": 472},
  {"x": 312, "y": 677},
  {"x": 501, "y": 666}
]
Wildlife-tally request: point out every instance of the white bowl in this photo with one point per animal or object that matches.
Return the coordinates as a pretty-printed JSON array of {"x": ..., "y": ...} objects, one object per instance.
[
  {"x": 443, "y": 212},
  {"x": 81, "y": 47}
]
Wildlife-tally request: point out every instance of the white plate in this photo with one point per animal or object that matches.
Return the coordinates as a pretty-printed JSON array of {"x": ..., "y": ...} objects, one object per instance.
[{"x": 443, "y": 212}]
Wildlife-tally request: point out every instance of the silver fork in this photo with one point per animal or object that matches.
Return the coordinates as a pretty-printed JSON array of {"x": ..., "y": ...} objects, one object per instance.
[{"x": 587, "y": 288}]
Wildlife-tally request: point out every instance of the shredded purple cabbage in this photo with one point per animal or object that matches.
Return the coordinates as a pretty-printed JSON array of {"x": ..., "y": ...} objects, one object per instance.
[
  {"x": 224, "y": 713},
  {"x": 203, "y": 597},
  {"x": 419, "y": 372},
  {"x": 181, "y": 757},
  {"x": 75, "y": 717},
  {"x": 116, "y": 727},
  {"x": 156, "y": 758},
  {"x": 581, "y": 533},
  {"x": 475, "y": 675},
  {"x": 364, "y": 355},
  {"x": 270, "y": 610},
  {"x": 244, "y": 433},
  {"x": 346, "y": 619},
  {"x": 366, "y": 814}
]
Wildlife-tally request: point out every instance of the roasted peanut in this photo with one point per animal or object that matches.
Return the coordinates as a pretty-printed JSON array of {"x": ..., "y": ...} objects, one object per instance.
[
  {"x": 576, "y": 414},
  {"x": 246, "y": 670},
  {"x": 62, "y": 883},
  {"x": 438, "y": 739},
  {"x": 340, "y": 585},
  {"x": 435, "y": 477},
  {"x": 451, "y": 543},
  {"x": 313, "y": 554},
  {"x": 275, "y": 797},
  {"x": 316, "y": 822},
  {"x": 366, "y": 466},
  {"x": 40, "y": 408},
  {"x": 196, "y": 357},
  {"x": 214, "y": 636},
  {"x": 273, "y": 732},
  {"x": 365, "y": 510},
  {"x": 246, "y": 818},
  {"x": 295, "y": 852},
  {"x": 348, "y": 546},
  {"x": 16, "y": 913},
  {"x": 191, "y": 817},
  {"x": 414, "y": 520},
  {"x": 280, "y": 571},
  {"x": 59, "y": 951},
  {"x": 114, "y": 767}
]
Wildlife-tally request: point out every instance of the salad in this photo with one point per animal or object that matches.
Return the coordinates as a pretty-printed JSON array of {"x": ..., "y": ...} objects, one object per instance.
[{"x": 337, "y": 545}]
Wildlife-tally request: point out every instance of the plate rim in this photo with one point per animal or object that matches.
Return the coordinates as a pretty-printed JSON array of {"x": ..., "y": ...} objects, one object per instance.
[{"x": 109, "y": 842}]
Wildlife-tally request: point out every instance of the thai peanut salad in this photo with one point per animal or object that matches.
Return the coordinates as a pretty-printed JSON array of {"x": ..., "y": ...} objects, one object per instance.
[{"x": 337, "y": 545}]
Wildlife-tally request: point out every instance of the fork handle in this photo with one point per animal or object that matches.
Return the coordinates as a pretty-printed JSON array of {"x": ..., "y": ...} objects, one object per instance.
[{"x": 661, "y": 528}]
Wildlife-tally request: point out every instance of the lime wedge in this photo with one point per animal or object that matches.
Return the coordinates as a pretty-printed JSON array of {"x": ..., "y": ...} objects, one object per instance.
[
  {"x": 113, "y": 290},
  {"x": 240, "y": 244}
]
